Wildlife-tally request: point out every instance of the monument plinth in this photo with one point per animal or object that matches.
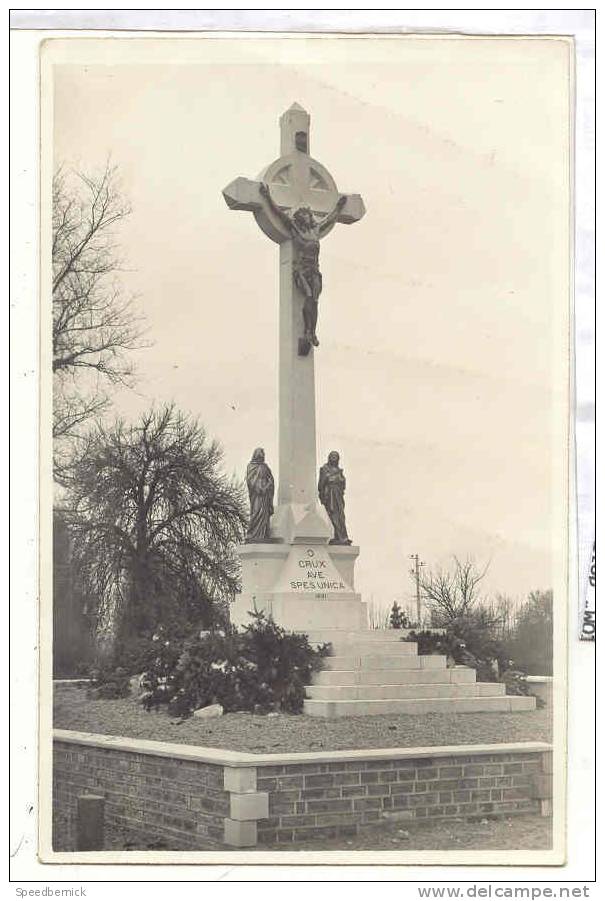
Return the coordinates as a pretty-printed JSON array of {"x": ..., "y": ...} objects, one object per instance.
[{"x": 307, "y": 587}]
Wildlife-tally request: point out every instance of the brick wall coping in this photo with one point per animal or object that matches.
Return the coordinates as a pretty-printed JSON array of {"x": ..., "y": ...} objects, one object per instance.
[{"x": 222, "y": 757}]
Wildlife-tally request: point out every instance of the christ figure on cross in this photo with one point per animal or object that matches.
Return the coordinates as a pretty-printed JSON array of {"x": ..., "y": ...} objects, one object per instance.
[{"x": 306, "y": 232}]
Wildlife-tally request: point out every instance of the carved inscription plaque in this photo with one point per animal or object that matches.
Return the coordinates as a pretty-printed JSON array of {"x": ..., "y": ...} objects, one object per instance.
[{"x": 310, "y": 570}]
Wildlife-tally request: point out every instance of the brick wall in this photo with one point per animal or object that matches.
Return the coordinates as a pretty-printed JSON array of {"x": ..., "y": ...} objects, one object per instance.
[
  {"x": 315, "y": 799},
  {"x": 181, "y": 802},
  {"x": 203, "y": 799}
]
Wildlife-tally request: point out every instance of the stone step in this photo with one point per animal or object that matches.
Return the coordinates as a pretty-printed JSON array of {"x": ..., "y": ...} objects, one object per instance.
[
  {"x": 385, "y": 662},
  {"x": 456, "y": 675},
  {"x": 418, "y": 691},
  {"x": 348, "y": 636},
  {"x": 373, "y": 648},
  {"x": 502, "y": 704}
]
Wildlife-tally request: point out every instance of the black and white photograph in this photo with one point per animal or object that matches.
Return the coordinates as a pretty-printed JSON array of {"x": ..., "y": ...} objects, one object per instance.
[{"x": 305, "y": 403}]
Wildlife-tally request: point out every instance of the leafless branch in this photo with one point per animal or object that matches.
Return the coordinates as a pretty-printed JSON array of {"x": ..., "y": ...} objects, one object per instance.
[
  {"x": 454, "y": 593},
  {"x": 95, "y": 326}
]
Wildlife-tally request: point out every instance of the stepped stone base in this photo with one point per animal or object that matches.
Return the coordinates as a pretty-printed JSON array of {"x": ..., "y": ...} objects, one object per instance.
[
  {"x": 415, "y": 690},
  {"x": 309, "y": 586},
  {"x": 375, "y": 672},
  {"x": 506, "y": 704}
]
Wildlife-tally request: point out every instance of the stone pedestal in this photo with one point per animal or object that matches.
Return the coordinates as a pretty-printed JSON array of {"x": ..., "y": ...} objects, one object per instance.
[{"x": 305, "y": 586}]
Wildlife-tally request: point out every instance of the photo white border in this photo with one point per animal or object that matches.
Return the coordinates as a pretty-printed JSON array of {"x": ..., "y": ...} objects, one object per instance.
[{"x": 24, "y": 324}]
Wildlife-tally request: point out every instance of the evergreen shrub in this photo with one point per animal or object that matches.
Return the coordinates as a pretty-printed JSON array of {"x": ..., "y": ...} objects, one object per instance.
[{"x": 259, "y": 668}]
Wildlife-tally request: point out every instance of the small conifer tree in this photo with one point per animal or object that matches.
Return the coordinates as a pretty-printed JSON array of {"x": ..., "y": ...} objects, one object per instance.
[{"x": 397, "y": 616}]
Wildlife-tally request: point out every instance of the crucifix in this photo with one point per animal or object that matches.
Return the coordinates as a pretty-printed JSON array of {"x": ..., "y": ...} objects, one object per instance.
[{"x": 296, "y": 203}]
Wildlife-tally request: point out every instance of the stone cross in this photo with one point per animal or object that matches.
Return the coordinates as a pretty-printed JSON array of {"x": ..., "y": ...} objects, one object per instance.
[{"x": 295, "y": 180}]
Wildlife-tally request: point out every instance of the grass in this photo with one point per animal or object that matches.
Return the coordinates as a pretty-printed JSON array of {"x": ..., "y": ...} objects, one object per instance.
[{"x": 288, "y": 733}]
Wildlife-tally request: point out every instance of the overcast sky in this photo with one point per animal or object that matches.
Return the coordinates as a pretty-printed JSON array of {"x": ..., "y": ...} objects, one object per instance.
[{"x": 442, "y": 315}]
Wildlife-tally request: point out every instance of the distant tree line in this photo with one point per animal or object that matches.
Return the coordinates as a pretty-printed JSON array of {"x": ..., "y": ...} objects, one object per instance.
[{"x": 493, "y": 634}]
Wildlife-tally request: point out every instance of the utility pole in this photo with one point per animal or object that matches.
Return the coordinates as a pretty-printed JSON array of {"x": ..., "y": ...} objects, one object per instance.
[{"x": 415, "y": 573}]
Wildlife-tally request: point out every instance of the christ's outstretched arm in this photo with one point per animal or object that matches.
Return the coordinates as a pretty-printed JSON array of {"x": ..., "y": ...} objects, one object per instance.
[
  {"x": 283, "y": 216},
  {"x": 333, "y": 216}
]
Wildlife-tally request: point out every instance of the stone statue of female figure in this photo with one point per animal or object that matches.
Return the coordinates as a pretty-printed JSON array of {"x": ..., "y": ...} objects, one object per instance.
[
  {"x": 306, "y": 232},
  {"x": 261, "y": 486},
  {"x": 331, "y": 489}
]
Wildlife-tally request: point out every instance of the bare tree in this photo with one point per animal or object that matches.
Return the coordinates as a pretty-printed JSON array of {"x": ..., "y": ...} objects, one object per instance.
[
  {"x": 453, "y": 594},
  {"x": 505, "y": 610},
  {"x": 94, "y": 324},
  {"x": 154, "y": 523}
]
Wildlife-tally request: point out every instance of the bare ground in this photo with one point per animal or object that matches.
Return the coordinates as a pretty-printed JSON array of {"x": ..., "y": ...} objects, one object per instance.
[
  {"x": 288, "y": 733},
  {"x": 526, "y": 833},
  {"x": 521, "y": 833}
]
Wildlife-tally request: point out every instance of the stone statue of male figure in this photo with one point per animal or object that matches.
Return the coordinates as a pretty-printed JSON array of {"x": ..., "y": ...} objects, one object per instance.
[{"x": 306, "y": 232}]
